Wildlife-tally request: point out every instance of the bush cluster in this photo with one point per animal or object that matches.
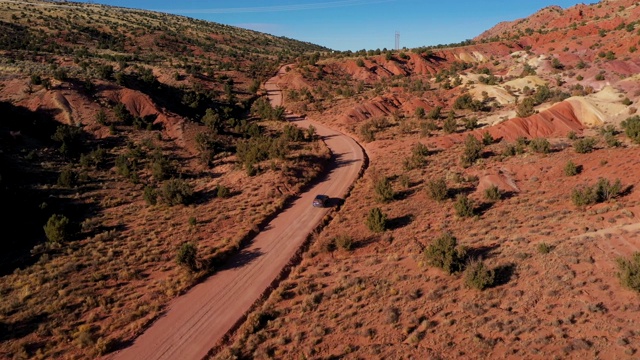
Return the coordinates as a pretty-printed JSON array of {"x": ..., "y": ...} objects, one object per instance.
[
  {"x": 444, "y": 253},
  {"x": 602, "y": 191},
  {"x": 377, "y": 220}
]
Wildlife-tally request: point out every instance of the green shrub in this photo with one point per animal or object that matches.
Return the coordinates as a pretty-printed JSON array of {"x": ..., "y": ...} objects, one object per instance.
[
  {"x": 222, "y": 191},
  {"x": 150, "y": 195},
  {"x": 67, "y": 177},
  {"x": 344, "y": 242},
  {"x": 571, "y": 169},
  {"x": 540, "y": 145},
  {"x": 612, "y": 141},
  {"x": 464, "y": 206},
  {"x": 450, "y": 125},
  {"x": 377, "y": 220},
  {"x": 478, "y": 276},
  {"x": 383, "y": 189},
  {"x": 583, "y": 196},
  {"x": 544, "y": 248},
  {"x": 585, "y": 145},
  {"x": 629, "y": 271},
  {"x": 57, "y": 229},
  {"x": 631, "y": 128},
  {"x": 602, "y": 191},
  {"x": 188, "y": 256},
  {"x": 472, "y": 150},
  {"x": 571, "y": 135},
  {"x": 606, "y": 191},
  {"x": 367, "y": 132},
  {"x": 492, "y": 193},
  {"x": 444, "y": 253},
  {"x": 176, "y": 191},
  {"x": 487, "y": 138},
  {"x": 437, "y": 189}
]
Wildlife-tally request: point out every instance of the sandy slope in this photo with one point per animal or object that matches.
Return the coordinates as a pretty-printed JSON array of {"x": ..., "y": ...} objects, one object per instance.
[{"x": 195, "y": 322}]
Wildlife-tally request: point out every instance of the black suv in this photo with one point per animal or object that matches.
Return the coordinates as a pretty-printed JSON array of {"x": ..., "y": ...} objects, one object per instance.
[{"x": 320, "y": 201}]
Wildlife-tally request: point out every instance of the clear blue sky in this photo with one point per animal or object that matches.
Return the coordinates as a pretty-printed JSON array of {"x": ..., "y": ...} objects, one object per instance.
[{"x": 356, "y": 24}]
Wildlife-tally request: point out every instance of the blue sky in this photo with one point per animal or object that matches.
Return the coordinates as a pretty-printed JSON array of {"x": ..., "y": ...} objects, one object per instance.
[{"x": 356, "y": 24}]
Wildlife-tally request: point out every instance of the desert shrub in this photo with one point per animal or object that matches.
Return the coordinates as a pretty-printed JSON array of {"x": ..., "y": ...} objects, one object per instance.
[
  {"x": 437, "y": 189},
  {"x": 344, "y": 242},
  {"x": 377, "y": 220},
  {"x": 487, "y": 138},
  {"x": 629, "y": 271},
  {"x": 222, "y": 191},
  {"x": 444, "y": 253},
  {"x": 420, "y": 113},
  {"x": 360, "y": 62},
  {"x": 383, "y": 189},
  {"x": 188, "y": 256},
  {"x": 417, "y": 159},
  {"x": 526, "y": 108},
  {"x": 450, "y": 125},
  {"x": 161, "y": 166},
  {"x": 176, "y": 191},
  {"x": 612, "y": 140},
  {"x": 571, "y": 135},
  {"x": 367, "y": 132},
  {"x": 544, "y": 248},
  {"x": 631, "y": 128},
  {"x": 605, "y": 190},
  {"x": 57, "y": 229},
  {"x": 478, "y": 276},
  {"x": 123, "y": 114},
  {"x": 571, "y": 169},
  {"x": 583, "y": 196},
  {"x": 464, "y": 206},
  {"x": 600, "y": 77},
  {"x": 626, "y": 101},
  {"x": 471, "y": 123},
  {"x": 540, "y": 145},
  {"x": 67, "y": 177},
  {"x": 602, "y": 191},
  {"x": 150, "y": 195},
  {"x": 472, "y": 150},
  {"x": 293, "y": 133},
  {"x": 492, "y": 193},
  {"x": 434, "y": 114},
  {"x": 70, "y": 139},
  {"x": 584, "y": 145}
]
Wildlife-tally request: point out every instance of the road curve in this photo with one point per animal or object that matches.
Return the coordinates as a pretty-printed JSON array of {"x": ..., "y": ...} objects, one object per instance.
[{"x": 196, "y": 321}]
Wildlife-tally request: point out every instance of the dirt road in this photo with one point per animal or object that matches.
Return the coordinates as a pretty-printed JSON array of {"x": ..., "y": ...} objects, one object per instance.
[{"x": 195, "y": 322}]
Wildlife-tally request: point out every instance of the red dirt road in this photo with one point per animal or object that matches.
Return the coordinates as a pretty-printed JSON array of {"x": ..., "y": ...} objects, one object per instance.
[{"x": 195, "y": 322}]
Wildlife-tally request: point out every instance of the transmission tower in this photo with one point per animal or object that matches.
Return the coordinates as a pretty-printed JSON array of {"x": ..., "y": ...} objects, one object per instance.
[{"x": 397, "y": 40}]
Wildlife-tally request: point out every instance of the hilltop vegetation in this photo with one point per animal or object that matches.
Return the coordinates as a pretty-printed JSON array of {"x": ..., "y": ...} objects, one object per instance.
[
  {"x": 497, "y": 217},
  {"x": 133, "y": 143}
]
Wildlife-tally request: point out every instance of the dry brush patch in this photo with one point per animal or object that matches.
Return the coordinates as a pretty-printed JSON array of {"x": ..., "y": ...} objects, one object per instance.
[{"x": 566, "y": 301}]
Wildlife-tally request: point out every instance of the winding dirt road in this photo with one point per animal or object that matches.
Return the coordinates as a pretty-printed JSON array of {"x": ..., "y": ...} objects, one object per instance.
[{"x": 197, "y": 321}]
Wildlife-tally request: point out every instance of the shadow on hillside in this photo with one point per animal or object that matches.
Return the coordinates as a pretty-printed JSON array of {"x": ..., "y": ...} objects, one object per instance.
[
  {"x": 399, "y": 222},
  {"x": 503, "y": 274},
  {"x": 481, "y": 252}
]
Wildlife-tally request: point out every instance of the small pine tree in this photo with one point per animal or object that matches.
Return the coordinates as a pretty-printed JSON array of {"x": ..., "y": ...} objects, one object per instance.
[
  {"x": 437, "y": 189},
  {"x": 478, "y": 276},
  {"x": 188, "y": 256},
  {"x": 377, "y": 220},
  {"x": 57, "y": 229},
  {"x": 444, "y": 253},
  {"x": 464, "y": 206},
  {"x": 571, "y": 169}
]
